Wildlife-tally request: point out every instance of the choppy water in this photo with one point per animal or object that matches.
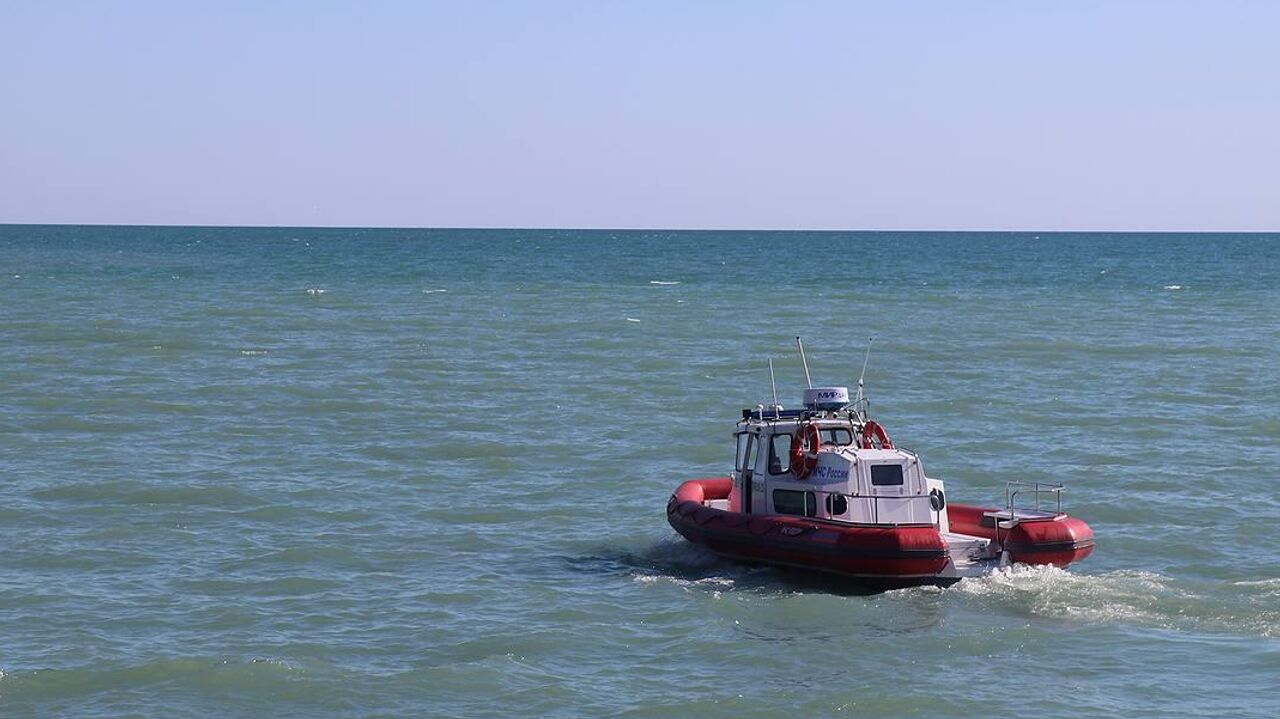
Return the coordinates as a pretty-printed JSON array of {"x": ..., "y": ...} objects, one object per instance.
[{"x": 362, "y": 473}]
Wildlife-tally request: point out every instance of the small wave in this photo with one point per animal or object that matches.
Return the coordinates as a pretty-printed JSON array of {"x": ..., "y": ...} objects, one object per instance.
[
  {"x": 664, "y": 283},
  {"x": 1174, "y": 287},
  {"x": 316, "y": 291},
  {"x": 194, "y": 671},
  {"x": 1274, "y": 582},
  {"x": 140, "y": 493},
  {"x": 253, "y": 353},
  {"x": 1261, "y": 590},
  {"x": 433, "y": 292},
  {"x": 680, "y": 562},
  {"x": 724, "y": 582},
  {"x": 715, "y": 585},
  {"x": 632, "y": 319},
  {"x": 278, "y": 587},
  {"x": 325, "y": 558}
]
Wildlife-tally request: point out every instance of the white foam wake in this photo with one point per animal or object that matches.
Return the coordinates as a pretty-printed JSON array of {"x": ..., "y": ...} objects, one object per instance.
[{"x": 1132, "y": 596}]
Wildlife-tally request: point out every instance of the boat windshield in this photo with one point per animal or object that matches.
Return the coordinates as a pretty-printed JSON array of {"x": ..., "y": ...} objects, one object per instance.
[{"x": 841, "y": 436}]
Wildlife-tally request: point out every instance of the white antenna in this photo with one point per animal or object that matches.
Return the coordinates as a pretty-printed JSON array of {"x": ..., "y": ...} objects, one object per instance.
[
  {"x": 773, "y": 383},
  {"x": 865, "y": 359},
  {"x": 808, "y": 380}
]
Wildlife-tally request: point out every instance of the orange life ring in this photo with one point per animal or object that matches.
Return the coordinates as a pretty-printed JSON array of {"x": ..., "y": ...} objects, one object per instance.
[
  {"x": 804, "y": 460},
  {"x": 873, "y": 431}
]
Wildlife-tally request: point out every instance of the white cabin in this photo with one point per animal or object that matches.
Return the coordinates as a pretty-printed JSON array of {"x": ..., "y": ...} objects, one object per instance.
[{"x": 850, "y": 483}]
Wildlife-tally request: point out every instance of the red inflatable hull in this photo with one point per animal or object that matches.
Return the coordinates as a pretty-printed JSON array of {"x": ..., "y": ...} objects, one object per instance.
[
  {"x": 895, "y": 555},
  {"x": 880, "y": 553},
  {"x": 1058, "y": 541}
]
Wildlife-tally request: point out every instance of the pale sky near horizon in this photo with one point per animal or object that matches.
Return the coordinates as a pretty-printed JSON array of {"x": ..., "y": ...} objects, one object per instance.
[{"x": 654, "y": 114}]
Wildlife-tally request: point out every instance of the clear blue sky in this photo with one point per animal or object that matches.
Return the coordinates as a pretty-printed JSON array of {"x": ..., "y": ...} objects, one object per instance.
[{"x": 950, "y": 115}]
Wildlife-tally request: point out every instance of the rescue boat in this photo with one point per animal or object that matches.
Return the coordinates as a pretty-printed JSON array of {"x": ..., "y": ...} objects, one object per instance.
[{"x": 824, "y": 488}]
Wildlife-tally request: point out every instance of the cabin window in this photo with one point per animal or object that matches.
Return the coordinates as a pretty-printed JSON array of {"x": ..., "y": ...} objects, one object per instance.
[
  {"x": 885, "y": 475},
  {"x": 780, "y": 454},
  {"x": 789, "y": 501},
  {"x": 839, "y": 436},
  {"x": 742, "y": 451},
  {"x": 837, "y": 504}
]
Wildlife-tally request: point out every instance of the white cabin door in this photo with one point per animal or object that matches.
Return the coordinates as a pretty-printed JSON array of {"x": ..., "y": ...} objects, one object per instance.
[
  {"x": 896, "y": 498},
  {"x": 750, "y": 483}
]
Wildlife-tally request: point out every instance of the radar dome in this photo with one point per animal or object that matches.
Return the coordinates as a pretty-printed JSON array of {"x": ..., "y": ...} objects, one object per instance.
[{"x": 826, "y": 398}]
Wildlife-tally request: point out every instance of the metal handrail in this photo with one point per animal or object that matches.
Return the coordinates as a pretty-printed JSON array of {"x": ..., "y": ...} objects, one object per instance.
[
  {"x": 1033, "y": 488},
  {"x": 875, "y": 504}
]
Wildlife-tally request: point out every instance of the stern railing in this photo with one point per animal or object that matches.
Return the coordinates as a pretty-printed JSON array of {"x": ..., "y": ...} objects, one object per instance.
[{"x": 1036, "y": 490}]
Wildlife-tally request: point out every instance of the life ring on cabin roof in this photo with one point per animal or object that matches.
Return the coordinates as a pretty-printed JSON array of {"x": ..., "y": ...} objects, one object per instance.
[
  {"x": 804, "y": 460},
  {"x": 872, "y": 430}
]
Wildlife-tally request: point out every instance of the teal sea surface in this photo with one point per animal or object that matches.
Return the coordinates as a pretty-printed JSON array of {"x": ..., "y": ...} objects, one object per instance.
[{"x": 381, "y": 473}]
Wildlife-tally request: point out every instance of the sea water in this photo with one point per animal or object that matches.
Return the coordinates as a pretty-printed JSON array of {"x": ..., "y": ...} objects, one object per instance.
[{"x": 353, "y": 473}]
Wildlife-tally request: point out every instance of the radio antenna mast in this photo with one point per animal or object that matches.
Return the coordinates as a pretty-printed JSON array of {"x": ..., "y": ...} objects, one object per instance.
[
  {"x": 808, "y": 380},
  {"x": 866, "y": 358},
  {"x": 773, "y": 383}
]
